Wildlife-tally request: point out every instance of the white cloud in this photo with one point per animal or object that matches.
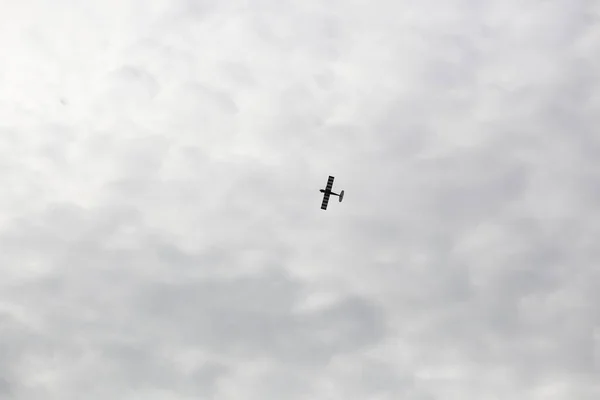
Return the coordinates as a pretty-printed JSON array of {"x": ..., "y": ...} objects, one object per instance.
[{"x": 160, "y": 230}]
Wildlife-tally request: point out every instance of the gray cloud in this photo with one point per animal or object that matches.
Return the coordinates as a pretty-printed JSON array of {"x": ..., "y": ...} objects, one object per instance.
[{"x": 160, "y": 230}]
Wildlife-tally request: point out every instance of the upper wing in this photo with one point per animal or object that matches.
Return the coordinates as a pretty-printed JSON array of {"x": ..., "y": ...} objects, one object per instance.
[
  {"x": 325, "y": 201},
  {"x": 329, "y": 184}
]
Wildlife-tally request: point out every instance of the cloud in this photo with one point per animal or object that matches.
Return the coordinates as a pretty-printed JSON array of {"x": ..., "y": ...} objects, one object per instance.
[{"x": 160, "y": 230}]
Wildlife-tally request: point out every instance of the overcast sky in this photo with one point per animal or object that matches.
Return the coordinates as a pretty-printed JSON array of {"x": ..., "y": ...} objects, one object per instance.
[{"x": 161, "y": 235}]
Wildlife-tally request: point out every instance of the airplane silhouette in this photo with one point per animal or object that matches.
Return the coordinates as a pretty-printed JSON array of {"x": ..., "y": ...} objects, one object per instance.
[{"x": 327, "y": 192}]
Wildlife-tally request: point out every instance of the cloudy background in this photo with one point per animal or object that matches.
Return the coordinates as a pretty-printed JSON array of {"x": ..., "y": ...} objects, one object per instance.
[{"x": 161, "y": 235}]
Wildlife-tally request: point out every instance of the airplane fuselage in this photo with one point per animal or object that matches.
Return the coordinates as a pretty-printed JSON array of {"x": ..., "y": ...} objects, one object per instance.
[{"x": 328, "y": 192}]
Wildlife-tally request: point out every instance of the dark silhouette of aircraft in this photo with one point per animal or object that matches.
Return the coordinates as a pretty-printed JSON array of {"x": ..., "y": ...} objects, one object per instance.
[{"x": 327, "y": 192}]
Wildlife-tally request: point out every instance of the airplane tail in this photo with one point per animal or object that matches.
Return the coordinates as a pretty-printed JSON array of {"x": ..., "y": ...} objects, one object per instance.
[{"x": 341, "y": 196}]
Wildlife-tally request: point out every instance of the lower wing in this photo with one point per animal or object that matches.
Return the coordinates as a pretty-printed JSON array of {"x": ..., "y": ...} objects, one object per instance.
[{"x": 325, "y": 201}]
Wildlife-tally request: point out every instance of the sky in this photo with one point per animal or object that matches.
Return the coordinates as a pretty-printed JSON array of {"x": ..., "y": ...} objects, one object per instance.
[{"x": 161, "y": 235}]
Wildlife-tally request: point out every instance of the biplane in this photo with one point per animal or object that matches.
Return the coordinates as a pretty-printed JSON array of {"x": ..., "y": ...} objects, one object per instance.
[{"x": 327, "y": 192}]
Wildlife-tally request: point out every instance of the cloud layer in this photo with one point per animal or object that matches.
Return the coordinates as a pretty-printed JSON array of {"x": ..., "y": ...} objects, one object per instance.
[{"x": 160, "y": 230}]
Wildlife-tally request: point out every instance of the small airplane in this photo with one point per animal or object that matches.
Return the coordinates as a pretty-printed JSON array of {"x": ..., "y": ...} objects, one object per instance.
[{"x": 327, "y": 192}]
